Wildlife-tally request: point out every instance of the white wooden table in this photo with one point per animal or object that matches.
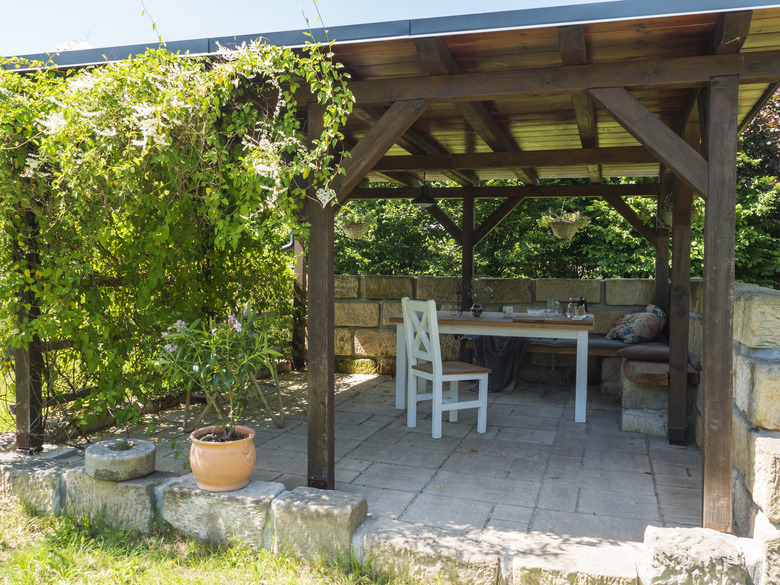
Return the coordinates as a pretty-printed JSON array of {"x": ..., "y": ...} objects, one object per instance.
[{"x": 517, "y": 325}]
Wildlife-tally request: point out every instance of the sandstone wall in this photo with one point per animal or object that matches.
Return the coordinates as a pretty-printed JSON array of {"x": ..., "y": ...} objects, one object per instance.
[
  {"x": 365, "y": 338},
  {"x": 756, "y": 407}
]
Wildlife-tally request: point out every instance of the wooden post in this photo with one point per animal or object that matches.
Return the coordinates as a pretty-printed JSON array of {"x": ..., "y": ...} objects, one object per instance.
[
  {"x": 467, "y": 250},
  {"x": 682, "y": 200},
  {"x": 718, "y": 337},
  {"x": 28, "y": 366},
  {"x": 299, "y": 309},
  {"x": 661, "y": 296},
  {"x": 321, "y": 440}
]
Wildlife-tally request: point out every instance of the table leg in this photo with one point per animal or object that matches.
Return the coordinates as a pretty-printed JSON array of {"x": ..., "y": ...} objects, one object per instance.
[
  {"x": 581, "y": 377},
  {"x": 400, "y": 367}
]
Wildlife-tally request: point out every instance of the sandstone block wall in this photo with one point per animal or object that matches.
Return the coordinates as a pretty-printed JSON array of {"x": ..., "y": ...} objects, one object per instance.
[
  {"x": 365, "y": 338},
  {"x": 756, "y": 407}
]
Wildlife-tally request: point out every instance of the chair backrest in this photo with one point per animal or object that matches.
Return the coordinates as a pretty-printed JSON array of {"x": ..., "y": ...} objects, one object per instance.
[{"x": 422, "y": 332}]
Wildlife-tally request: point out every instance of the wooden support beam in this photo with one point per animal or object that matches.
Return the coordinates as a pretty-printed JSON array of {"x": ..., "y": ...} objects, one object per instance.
[
  {"x": 28, "y": 360},
  {"x": 682, "y": 204},
  {"x": 731, "y": 31},
  {"x": 632, "y": 218},
  {"x": 439, "y": 215},
  {"x": 437, "y": 60},
  {"x": 467, "y": 251},
  {"x": 571, "y": 41},
  {"x": 321, "y": 292},
  {"x": 659, "y": 139},
  {"x": 376, "y": 142},
  {"x": 682, "y": 72},
  {"x": 765, "y": 97},
  {"x": 661, "y": 281},
  {"x": 495, "y": 160},
  {"x": 718, "y": 334},
  {"x": 521, "y": 191},
  {"x": 494, "y": 219},
  {"x": 417, "y": 144}
]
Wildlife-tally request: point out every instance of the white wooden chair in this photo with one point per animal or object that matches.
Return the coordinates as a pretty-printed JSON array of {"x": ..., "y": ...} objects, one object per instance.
[{"x": 424, "y": 357}]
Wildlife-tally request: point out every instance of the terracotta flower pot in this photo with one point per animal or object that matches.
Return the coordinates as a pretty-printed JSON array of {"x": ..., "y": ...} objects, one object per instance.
[{"x": 222, "y": 467}]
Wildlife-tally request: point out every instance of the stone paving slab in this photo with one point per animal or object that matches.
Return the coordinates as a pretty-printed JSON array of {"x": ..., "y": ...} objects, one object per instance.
[{"x": 559, "y": 498}]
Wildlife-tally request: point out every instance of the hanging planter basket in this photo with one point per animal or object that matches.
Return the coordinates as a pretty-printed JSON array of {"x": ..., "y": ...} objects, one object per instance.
[
  {"x": 564, "y": 230},
  {"x": 355, "y": 231}
]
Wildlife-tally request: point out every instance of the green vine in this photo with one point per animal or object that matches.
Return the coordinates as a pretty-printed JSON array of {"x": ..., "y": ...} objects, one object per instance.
[{"x": 149, "y": 190}]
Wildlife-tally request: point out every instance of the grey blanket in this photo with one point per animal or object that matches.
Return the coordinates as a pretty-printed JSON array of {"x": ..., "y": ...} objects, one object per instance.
[{"x": 503, "y": 355}]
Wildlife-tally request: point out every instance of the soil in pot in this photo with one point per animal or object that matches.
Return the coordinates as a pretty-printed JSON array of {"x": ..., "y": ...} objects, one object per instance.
[{"x": 222, "y": 466}]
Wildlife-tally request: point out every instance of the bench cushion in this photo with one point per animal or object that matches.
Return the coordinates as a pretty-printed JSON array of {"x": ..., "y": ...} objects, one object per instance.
[{"x": 645, "y": 352}]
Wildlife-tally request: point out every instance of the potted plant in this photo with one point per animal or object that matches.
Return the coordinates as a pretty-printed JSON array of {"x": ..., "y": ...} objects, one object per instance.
[
  {"x": 564, "y": 224},
  {"x": 354, "y": 222},
  {"x": 221, "y": 359}
]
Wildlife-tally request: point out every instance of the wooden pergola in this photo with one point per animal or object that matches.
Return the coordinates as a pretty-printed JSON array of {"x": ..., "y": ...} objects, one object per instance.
[
  {"x": 611, "y": 89},
  {"x": 593, "y": 91}
]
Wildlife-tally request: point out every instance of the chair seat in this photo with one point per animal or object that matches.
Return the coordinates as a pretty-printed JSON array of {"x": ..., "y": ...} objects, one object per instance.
[{"x": 453, "y": 368}]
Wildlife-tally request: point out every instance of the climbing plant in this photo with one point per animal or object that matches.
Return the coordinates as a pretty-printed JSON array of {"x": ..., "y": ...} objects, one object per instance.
[{"x": 146, "y": 190}]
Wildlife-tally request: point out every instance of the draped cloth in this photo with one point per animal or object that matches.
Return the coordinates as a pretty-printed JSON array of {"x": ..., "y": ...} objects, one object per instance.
[{"x": 503, "y": 355}]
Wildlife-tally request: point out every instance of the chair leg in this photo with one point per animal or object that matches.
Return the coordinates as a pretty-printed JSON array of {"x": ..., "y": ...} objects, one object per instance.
[
  {"x": 411, "y": 401},
  {"x": 452, "y": 396},
  {"x": 482, "y": 410},
  {"x": 437, "y": 410}
]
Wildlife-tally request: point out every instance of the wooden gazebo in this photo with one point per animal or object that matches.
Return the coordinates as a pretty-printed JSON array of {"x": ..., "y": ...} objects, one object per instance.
[
  {"x": 591, "y": 91},
  {"x": 629, "y": 88}
]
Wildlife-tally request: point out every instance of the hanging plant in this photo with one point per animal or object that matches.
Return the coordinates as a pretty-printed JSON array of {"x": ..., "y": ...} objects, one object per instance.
[
  {"x": 563, "y": 224},
  {"x": 355, "y": 223}
]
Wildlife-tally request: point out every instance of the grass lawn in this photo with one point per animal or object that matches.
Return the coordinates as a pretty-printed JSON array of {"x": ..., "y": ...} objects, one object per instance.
[{"x": 37, "y": 549}]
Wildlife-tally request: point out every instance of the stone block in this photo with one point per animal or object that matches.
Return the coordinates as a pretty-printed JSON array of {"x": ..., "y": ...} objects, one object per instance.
[
  {"x": 36, "y": 482},
  {"x": 767, "y": 534},
  {"x": 743, "y": 441},
  {"x": 356, "y": 366},
  {"x": 125, "y": 504},
  {"x": 388, "y": 287},
  {"x": 420, "y": 553},
  {"x": 120, "y": 459},
  {"x": 221, "y": 517},
  {"x": 688, "y": 556},
  {"x": 387, "y": 366},
  {"x": 644, "y": 396},
  {"x": 317, "y": 524},
  {"x": 757, "y": 390},
  {"x": 744, "y": 509},
  {"x": 629, "y": 291},
  {"x": 347, "y": 287},
  {"x": 696, "y": 295},
  {"x": 342, "y": 341},
  {"x": 651, "y": 422},
  {"x": 438, "y": 288},
  {"x": 603, "y": 319},
  {"x": 450, "y": 347},
  {"x": 390, "y": 309},
  {"x": 766, "y": 482},
  {"x": 613, "y": 389},
  {"x": 611, "y": 368},
  {"x": 356, "y": 315},
  {"x": 369, "y": 342},
  {"x": 565, "y": 288},
  {"x": 506, "y": 290},
  {"x": 757, "y": 317}
]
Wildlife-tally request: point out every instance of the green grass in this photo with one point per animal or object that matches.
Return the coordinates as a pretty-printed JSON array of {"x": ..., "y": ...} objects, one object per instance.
[{"x": 42, "y": 550}]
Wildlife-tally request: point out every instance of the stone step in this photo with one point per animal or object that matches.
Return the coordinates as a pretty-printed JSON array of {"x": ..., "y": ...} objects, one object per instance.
[{"x": 651, "y": 422}]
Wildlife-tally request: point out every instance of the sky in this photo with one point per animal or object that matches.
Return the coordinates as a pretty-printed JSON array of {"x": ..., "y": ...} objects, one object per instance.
[{"x": 38, "y": 26}]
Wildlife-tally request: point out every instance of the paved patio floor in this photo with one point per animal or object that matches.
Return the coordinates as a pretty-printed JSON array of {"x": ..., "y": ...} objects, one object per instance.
[{"x": 535, "y": 471}]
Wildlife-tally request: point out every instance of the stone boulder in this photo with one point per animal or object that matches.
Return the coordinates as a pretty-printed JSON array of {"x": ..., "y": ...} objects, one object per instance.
[{"x": 691, "y": 556}]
